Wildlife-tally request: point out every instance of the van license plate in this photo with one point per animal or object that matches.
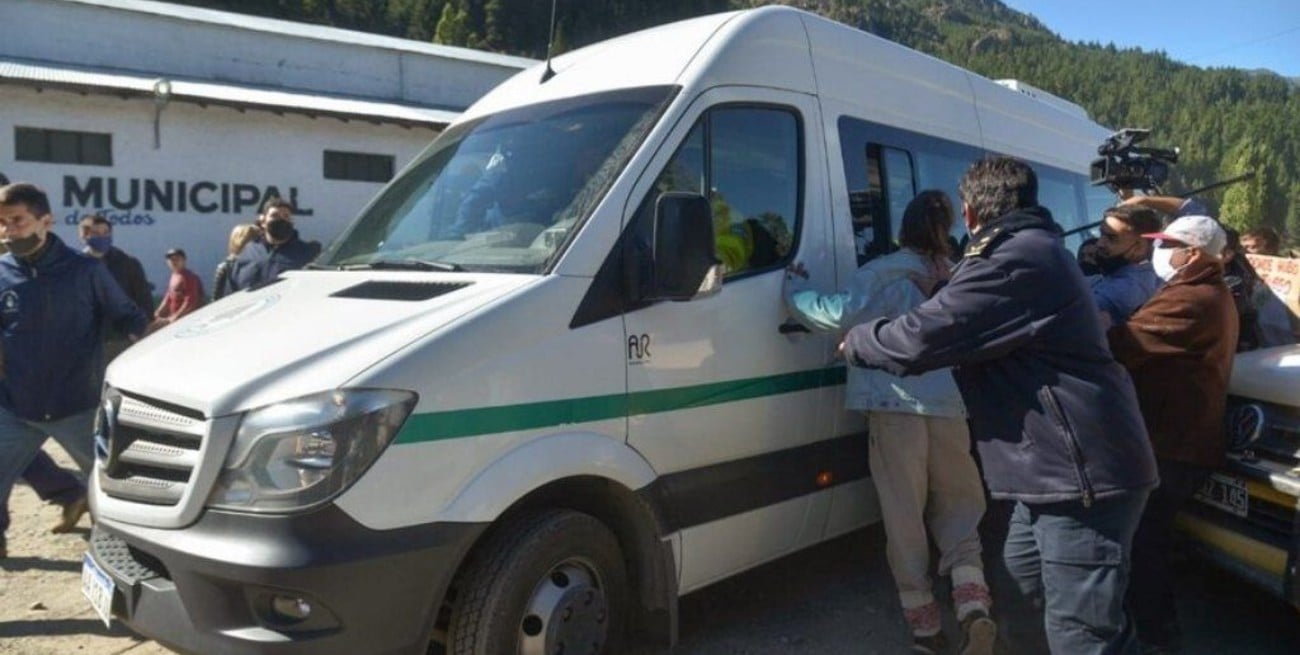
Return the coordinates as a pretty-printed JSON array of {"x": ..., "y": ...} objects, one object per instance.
[
  {"x": 1226, "y": 493},
  {"x": 97, "y": 587}
]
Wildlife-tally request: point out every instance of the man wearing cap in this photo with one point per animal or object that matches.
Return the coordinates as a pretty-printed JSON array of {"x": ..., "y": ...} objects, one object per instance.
[
  {"x": 1178, "y": 348},
  {"x": 184, "y": 292}
]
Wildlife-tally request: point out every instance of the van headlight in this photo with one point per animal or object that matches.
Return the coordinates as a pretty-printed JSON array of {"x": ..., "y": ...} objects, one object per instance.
[{"x": 303, "y": 452}]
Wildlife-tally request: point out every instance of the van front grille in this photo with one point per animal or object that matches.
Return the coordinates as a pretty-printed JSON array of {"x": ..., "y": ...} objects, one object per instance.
[{"x": 151, "y": 453}]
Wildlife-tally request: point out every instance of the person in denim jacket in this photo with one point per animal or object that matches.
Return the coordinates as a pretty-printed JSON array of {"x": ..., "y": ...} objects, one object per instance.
[{"x": 920, "y": 445}]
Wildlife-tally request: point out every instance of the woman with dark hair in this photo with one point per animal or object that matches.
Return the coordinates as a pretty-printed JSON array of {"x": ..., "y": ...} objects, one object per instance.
[{"x": 920, "y": 445}]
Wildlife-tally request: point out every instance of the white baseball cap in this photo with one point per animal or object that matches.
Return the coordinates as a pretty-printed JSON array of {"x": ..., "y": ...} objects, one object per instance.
[{"x": 1197, "y": 231}]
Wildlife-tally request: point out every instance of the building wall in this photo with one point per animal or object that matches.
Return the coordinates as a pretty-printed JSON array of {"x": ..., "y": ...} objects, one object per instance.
[{"x": 220, "y": 146}]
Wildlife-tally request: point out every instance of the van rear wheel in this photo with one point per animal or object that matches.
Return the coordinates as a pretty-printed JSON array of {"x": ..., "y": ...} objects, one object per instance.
[{"x": 551, "y": 583}]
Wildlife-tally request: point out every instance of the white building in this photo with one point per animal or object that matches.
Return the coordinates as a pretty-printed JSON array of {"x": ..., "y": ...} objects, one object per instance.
[{"x": 177, "y": 122}]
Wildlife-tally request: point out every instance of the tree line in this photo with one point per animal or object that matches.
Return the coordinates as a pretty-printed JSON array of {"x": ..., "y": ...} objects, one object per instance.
[{"x": 1226, "y": 121}]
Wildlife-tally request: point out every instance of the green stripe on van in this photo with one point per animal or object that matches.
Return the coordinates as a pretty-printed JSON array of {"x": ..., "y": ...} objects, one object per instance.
[{"x": 458, "y": 423}]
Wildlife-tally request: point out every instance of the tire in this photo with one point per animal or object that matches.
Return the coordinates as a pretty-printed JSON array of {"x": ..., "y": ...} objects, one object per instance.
[{"x": 550, "y": 583}]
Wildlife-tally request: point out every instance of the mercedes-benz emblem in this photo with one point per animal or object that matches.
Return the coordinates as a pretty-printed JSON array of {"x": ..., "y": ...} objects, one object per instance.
[{"x": 1245, "y": 425}]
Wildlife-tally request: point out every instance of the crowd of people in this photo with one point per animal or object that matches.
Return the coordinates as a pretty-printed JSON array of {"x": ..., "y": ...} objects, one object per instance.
[
  {"x": 1093, "y": 388},
  {"x": 63, "y": 317},
  {"x": 1095, "y": 404}
]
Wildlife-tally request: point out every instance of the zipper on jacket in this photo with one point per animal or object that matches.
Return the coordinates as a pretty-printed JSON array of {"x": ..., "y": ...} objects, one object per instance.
[{"x": 1071, "y": 445}]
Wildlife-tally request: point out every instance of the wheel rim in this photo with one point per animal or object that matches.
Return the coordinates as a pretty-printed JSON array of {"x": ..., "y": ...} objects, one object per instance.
[{"x": 567, "y": 614}]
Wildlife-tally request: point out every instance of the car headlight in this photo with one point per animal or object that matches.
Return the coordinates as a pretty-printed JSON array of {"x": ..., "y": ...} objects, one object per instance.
[{"x": 303, "y": 452}]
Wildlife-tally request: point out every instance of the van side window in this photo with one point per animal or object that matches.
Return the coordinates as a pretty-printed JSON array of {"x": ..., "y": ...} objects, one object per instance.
[
  {"x": 877, "y": 208},
  {"x": 748, "y": 159}
]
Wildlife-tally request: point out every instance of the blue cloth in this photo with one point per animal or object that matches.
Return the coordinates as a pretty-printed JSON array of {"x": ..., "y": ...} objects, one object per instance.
[
  {"x": 1054, "y": 417},
  {"x": 52, "y": 314},
  {"x": 1076, "y": 562},
  {"x": 260, "y": 263},
  {"x": 1124, "y": 290},
  {"x": 1191, "y": 207},
  {"x": 20, "y": 441},
  {"x": 885, "y": 287}
]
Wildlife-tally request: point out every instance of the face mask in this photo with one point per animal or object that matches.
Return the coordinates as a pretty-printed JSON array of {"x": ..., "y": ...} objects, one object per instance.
[
  {"x": 23, "y": 246},
  {"x": 279, "y": 230},
  {"x": 100, "y": 244},
  {"x": 1162, "y": 262}
]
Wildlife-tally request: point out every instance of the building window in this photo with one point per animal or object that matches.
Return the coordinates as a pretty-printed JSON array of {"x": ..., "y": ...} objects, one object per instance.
[
  {"x": 63, "y": 146},
  {"x": 358, "y": 166}
]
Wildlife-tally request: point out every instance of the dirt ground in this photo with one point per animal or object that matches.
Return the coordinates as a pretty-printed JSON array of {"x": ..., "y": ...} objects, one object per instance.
[{"x": 835, "y": 599}]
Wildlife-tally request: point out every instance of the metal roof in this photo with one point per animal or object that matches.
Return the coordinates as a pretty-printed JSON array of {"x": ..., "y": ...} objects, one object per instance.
[
  {"x": 248, "y": 97},
  {"x": 309, "y": 31}
]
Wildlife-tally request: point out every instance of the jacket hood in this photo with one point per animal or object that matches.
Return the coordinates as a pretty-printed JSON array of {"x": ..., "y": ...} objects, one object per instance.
[{"x": 305, "y": 333}]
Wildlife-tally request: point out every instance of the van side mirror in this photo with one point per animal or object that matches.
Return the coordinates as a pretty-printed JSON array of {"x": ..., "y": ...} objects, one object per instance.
[{"x": 683, "y": 262}]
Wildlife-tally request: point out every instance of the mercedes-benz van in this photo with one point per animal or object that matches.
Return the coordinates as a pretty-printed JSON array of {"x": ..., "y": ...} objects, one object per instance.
[{"x": 546, "y": 383}]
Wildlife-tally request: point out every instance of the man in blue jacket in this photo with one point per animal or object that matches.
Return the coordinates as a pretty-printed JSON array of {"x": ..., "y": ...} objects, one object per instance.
[
  {"x": 53, "y": 305},
  {"x": 1055, "y": 418},
  {"x": 278, "y": 250}
]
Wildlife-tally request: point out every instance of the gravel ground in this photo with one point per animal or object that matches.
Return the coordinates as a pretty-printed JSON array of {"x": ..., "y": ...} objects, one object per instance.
[{"x": 835, "y": 599}]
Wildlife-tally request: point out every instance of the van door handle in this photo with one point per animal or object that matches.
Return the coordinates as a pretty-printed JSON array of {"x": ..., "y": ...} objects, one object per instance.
[{"x": 792, "y": 327}]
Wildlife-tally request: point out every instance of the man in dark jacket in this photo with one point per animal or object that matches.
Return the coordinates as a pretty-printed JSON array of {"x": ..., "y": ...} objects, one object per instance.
[
  {"x": 278, "y": 250},
  {"x": 1178, "y": 347},
  {"x": 1055, "y": 419},
  {"x": 53, "y": 304}
]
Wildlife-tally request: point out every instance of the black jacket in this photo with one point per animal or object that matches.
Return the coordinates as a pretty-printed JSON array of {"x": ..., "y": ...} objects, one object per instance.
[
  {"x": 260, "y": 262},
  {"x": 1054, "y": 417},
  {"x": 130, "y": 276}
]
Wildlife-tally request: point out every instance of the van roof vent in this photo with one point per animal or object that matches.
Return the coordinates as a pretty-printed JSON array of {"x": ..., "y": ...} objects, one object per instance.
[
  {"x": 1044, "y": 97},
  {"x": 393, "y": 290}
]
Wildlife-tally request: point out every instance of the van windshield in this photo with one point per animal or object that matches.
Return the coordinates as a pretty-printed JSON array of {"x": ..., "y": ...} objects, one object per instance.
[{"x": 502, "y": 192}]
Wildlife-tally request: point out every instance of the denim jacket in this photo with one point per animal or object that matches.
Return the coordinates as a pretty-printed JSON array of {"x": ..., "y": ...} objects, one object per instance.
[{"x": 883, "y": 288}]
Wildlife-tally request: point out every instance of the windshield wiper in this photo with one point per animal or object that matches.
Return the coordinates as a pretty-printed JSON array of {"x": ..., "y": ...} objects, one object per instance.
[{"x": 404, "y": 265}]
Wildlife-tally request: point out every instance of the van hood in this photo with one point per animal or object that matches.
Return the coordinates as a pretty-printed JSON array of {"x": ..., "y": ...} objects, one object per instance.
[
  {"x": 308, "y": 332},
  {"x": 1270, "y": 374}
]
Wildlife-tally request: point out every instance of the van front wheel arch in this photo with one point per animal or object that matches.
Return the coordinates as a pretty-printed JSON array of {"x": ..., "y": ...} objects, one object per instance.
[{"x": 546, "y": 582}]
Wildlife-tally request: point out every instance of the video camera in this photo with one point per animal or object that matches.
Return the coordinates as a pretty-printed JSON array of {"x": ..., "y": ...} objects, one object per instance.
[{"x": 1125, "y": 165}]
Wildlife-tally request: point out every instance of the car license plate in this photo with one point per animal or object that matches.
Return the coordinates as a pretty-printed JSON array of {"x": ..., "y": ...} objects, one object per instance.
[
  {"x": 1226, "y": 493},
  {"x": 97, "y": 588}
]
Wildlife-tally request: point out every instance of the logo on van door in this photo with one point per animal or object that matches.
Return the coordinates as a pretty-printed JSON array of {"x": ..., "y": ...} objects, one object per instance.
[{"x": 638, "y": 349}]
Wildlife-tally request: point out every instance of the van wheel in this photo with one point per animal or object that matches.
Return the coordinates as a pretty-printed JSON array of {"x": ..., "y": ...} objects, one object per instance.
[{"x": 552, "y": 583}]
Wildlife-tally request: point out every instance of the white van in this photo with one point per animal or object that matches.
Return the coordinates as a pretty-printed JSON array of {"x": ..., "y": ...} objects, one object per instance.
[{"x": 518, "y": 406}]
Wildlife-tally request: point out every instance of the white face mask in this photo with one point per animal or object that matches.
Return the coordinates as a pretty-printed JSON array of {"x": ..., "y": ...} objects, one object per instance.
[{"x": 1161, "y": 261}]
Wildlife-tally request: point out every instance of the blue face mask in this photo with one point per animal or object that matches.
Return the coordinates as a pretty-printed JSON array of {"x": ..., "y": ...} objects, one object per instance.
[{"x": 100, "y": 244}]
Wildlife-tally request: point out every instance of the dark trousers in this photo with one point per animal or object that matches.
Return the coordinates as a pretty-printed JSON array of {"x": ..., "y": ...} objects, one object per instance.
[
  {"x": 1073, "y": 562},
  {"x": 1151, "y": 595},
  {"x": 49, "y": 482}
]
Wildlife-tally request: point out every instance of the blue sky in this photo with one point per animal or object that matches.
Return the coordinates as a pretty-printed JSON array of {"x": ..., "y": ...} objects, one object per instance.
[{"x": 1238, "y": 33}]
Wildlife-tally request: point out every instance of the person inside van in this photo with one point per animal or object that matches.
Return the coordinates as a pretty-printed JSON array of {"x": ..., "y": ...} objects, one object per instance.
[
  {"x": 919, "y": 442},
  {"x": 1054, "y": 416}
]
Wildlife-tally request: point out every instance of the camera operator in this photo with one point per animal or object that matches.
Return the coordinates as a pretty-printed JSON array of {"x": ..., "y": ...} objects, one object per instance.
[{"x": 1123, "y": 259}]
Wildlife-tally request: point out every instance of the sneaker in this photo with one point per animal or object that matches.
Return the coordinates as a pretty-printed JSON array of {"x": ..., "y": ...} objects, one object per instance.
[
  {"x": 72, "y": 513},
  {"x": 932, "y": 645},
  {"x": 978, "y": 634}
]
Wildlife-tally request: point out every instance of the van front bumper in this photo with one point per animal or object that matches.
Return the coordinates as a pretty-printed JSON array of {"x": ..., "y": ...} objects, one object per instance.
[
  {"x": 1256, "y": 537},
  {"x": 314, "y": 583}
]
